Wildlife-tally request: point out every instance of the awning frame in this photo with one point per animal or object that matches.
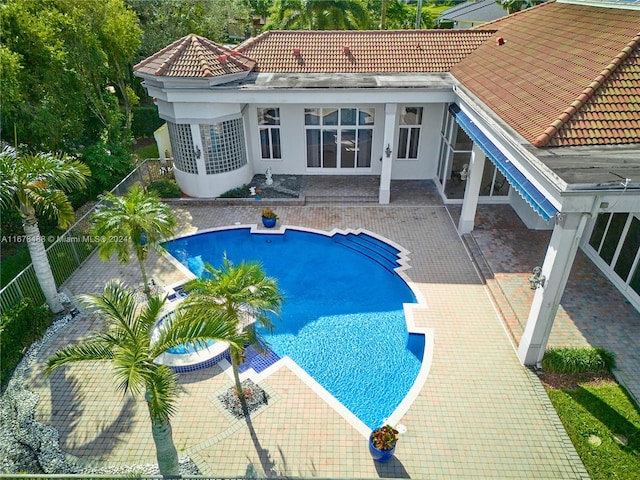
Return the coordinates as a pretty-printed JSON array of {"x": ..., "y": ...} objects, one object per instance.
[{"x": 527, "y": 190}]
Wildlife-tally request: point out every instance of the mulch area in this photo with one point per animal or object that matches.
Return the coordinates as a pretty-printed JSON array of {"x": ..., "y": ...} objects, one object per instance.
[{"x": 571, "y": 381}]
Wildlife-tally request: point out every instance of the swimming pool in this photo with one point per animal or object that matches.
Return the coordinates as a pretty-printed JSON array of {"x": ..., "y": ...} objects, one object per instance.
[{"x": 342, "y": 319}]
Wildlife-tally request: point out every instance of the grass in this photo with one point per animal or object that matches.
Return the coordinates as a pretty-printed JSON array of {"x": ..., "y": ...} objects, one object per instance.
[
  {"x": 600, "y": 416},
  {"x": 147, "y": 151},
  {"x": 435, "y": 10},
  {"x": 602, "y": 412}
]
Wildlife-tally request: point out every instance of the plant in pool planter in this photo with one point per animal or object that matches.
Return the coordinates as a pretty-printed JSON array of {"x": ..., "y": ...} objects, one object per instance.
[
  {"x": 382, "y": 443},
  {"x": 269, "y": 217}
]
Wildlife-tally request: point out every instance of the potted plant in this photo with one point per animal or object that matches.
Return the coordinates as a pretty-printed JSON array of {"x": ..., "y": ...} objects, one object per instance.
[
  {"x": 269, "y": 217},
  {"x": 382, "y": 443}
]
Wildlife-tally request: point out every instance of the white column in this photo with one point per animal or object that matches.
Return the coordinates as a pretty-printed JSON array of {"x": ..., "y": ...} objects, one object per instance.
[
  {"x": 556, "y": 268},
  {"x": 390, "y": 114},
  {"x": 472, "y": 190}
]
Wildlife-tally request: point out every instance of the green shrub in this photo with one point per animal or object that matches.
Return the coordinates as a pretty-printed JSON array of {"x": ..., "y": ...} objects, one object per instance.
[
  {"x": 165, "y": 188},
  {"x": 145, "y": 121},
  {"x": 240, "y": 192},
  {"x": 578, "y": 360},
  {"x": 20, "y": 326}
]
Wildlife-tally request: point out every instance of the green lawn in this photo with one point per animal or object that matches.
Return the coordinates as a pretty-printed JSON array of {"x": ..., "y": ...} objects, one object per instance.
[{"x": 602, "y": 413}]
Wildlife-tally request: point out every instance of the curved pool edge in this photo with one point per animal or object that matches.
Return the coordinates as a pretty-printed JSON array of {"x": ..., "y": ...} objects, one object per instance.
[
  {"x": 403, "y": 253},
  {"x": 190, "y": 362},
  {"x": 409, "y": 308}
]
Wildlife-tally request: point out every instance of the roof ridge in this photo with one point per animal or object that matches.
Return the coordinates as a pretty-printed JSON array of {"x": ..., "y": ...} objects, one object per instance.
[
  {"x": 544, "y": 138},
  {"x": 250, "y": 41},
  {"x": 182, "y": 45}
]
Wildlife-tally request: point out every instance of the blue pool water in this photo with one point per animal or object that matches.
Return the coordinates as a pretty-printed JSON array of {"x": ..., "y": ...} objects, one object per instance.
[{"x": 342, "y": 319}]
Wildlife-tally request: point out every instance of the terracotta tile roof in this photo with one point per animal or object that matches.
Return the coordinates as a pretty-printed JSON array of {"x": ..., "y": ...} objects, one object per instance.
[
  {"x": 611, "y": 115},
  {"x": 366, "y": 51},
  {"x": 565, "y": 75},
  {"x": 195, "y": 57}
]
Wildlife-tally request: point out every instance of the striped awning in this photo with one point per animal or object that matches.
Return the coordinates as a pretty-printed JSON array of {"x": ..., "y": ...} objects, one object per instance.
[{"x": 515, "y": 177}]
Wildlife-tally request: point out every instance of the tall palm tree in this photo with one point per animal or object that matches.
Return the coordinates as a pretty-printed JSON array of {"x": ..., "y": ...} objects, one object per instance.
[
  {"x": 137, "y": 220},
  {"x": 319, "y": 15},
  {"x": 241, "y": 293},
  {"x": 35, "y": 184},
  {"x": 131, "y": 346}
]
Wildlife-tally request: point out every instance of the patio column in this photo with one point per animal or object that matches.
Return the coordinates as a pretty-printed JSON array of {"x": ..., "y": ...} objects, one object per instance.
[
  {"x": 390, "y": 114},
  {"x": 472, "y": 190},
  {"x": 556, "y": 268}
]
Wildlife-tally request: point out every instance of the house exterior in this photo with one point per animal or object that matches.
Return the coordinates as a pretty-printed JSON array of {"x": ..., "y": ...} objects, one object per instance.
[
  {"x": 539, "y": 109},
  {"x": 471, "y": 14}
]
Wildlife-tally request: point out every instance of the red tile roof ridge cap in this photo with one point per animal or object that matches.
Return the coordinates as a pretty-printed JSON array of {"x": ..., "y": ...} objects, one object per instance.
[
  {"x": 543, "y": 139},
  {"x": 182, "y": 45},
  {"x": 250, "y": 41}
]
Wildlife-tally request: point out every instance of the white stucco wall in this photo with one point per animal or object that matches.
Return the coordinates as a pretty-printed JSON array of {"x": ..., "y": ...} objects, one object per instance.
[
  {"x": 425, "y": 166},
  {"x": 210, "y": 186}
]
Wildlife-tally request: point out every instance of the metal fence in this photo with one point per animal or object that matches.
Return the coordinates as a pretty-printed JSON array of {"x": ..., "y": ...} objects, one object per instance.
[{"x": 73, "y": 247}]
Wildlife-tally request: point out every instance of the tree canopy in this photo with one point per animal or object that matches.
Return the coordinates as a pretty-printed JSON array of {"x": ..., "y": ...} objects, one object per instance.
[{"x": 65, "y": 71}]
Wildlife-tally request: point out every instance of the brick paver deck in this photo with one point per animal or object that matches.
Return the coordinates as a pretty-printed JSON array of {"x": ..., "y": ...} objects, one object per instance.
[{"x": 480, "y": 413}]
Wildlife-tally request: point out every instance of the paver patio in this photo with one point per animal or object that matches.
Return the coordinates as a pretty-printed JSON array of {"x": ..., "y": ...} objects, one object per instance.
[{"x": 480, "y": 413}]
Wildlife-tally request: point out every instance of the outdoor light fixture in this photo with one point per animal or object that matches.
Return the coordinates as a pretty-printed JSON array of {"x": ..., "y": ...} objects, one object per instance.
[
  {"x": 536, "y": 280},
  {"x": 387, "y": 151},
  {"x": 197, "y": 151}
]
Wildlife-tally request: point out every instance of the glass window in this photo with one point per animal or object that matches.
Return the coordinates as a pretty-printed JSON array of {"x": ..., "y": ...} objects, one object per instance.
[
  {"x": 613, "y": 236},
  {"x": 224, "y": 146},
  {"x": 265, "y": 143},
  {"x": 411, "y": 116},
  {"x": 348, "y": 116},
  {"x": 268, "y": 116},
  {"x": 366, "y": 116},
  {"x": 629, "y": 250},
  {"x": 463, "y": 141},
  {"x": 313, "y": 148},
  {"x": 409, "y": 137},
  {"x": 365, "y": 137},
  {"x": 312, "y": 116},
  {"x": 598, "y": 230},
  {"x": 330, "y": 116},
  {"x": 269, "y": 120},
  {"x": 329, "y": 148},
  {"x": 184, "y": 158},
  {"x": 348, "y": 145}
]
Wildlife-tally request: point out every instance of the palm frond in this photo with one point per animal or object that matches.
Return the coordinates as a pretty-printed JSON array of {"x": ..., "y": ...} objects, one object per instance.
[
  {"x": 95, "y": 350},
  {"x": 162, "y": 392},
  {"x": 197, "y": 327}
]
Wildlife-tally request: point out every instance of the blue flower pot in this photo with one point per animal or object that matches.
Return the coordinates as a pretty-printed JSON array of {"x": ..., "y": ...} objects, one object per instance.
[
  {"x": 269, "y": 222},
  {"x": 380, "y": 455}
]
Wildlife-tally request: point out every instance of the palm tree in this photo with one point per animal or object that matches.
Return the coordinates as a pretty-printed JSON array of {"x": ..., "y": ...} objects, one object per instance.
[
  {"x": 130, "y": 345},
  {"x": 137, "y": 220},
  {"x": 242, "y": 293},
  {"x": 318, "y": 15},
  {"x": 35, "y": 184}
]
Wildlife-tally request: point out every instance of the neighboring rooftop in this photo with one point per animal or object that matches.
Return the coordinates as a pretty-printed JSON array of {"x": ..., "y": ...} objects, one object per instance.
[{"x": 473, "y": 13}]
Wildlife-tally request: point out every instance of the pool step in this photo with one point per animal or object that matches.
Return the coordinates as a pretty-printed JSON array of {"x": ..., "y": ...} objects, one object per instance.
[
  {"x": 256, "y": 360},
  {"x": 377, "y": 250}
]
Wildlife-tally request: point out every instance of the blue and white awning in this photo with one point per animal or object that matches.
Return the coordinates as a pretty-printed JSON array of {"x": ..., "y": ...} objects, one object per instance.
[{"x": 515, "y": 177}]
